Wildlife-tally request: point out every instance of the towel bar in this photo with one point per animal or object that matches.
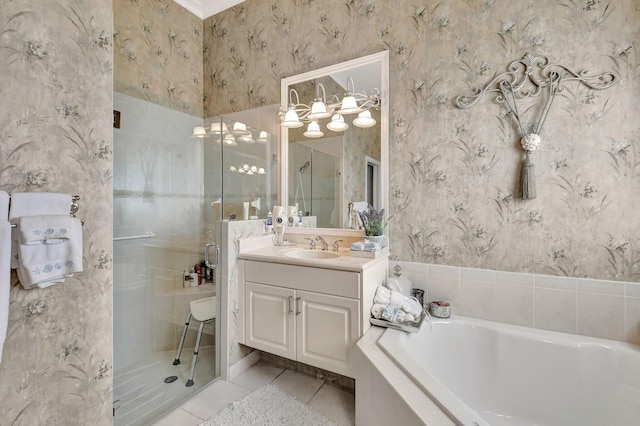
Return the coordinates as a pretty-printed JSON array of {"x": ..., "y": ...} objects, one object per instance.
[{"x": 72, "y": 210}]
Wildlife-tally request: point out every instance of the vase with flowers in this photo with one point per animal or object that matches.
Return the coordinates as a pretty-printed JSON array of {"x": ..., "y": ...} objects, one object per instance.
[{"x": 373, "y": 225}]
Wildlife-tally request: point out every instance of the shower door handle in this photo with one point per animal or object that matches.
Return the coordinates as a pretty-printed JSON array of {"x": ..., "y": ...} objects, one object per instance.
[{"x": 206, "y": 255}]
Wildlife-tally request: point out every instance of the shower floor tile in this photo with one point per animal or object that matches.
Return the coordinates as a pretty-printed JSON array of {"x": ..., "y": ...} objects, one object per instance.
[{"x": 141, "y": 394}]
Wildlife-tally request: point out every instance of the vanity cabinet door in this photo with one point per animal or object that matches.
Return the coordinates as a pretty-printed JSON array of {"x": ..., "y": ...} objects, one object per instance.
[
  {"x": 327, "y": 331},
  {"x": 270, "y": 319}
]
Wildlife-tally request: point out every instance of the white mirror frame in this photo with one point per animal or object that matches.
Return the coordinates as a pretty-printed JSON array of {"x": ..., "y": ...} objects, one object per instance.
[{"x": 382, "y": 58}]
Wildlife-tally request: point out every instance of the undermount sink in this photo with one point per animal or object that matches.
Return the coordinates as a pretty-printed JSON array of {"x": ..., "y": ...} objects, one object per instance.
[{"x": 311, "y": 254}]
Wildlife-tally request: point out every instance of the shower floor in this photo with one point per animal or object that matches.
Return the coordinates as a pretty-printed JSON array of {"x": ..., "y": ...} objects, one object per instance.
[{"x": 140, "y": 391}]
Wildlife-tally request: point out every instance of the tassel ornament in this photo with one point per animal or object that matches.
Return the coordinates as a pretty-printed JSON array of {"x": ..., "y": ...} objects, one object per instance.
[{"x": 528, "y": 179}]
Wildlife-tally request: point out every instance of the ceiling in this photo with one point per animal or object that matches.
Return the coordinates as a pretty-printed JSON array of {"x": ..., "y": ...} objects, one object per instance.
[{"x": 205, "y": 8}]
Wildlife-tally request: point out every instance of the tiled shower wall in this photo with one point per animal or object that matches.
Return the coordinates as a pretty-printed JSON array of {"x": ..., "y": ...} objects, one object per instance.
[{"x": 597, "y": 308}]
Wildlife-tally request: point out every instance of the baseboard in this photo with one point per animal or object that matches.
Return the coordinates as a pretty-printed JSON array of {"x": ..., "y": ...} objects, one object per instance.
[{"x": 242, "y": 365}]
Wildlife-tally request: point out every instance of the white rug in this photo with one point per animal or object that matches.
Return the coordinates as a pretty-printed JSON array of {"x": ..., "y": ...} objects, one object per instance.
[{"x": 268, "y": 406}]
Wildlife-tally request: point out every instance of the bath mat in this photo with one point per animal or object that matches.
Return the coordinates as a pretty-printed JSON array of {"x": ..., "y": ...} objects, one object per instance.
[{"x": 268, "y": 406}]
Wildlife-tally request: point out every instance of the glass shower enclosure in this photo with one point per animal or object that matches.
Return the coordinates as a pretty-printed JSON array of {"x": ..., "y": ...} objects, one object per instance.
[{"x": 172, "y": 190}]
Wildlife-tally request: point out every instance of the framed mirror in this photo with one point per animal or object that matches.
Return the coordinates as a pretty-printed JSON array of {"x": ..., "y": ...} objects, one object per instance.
[{"x": 323, "y": 171}]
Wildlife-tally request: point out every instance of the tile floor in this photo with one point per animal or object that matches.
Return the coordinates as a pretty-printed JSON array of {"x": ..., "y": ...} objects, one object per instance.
[{"x": 332, "y": 401}]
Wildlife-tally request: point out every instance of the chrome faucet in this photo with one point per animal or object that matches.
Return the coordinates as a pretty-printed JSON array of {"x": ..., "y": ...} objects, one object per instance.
[
  {"x": 323, "y": 242},
  {"x": 336, "y": 245},
  {"x": 312, "y": 243}
]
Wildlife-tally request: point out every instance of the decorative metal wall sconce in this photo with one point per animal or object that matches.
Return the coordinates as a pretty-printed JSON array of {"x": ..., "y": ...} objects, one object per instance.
[{"x": 527, "y": 78}]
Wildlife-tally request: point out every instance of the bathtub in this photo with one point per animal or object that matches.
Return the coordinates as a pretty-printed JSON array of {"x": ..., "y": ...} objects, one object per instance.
[{"x": 487, "y": 373}]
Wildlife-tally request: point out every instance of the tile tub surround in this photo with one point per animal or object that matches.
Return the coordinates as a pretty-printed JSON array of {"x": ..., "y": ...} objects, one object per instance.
[{"x": 596, "y": 308}]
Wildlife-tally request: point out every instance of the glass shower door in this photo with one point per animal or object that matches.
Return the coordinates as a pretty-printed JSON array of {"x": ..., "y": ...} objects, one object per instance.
[{"x": 162, "y": 220}]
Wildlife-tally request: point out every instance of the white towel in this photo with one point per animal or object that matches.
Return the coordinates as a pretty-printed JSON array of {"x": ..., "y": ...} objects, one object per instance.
[
  {"x": 49, "y": 229},
  {"x": 397, "y": 300},
  {"x": 5, "y": 267},
  {"x": 43, "y": 263},
  {"x": 38, "y": 203},
  {"x": 34, "y": 204}
]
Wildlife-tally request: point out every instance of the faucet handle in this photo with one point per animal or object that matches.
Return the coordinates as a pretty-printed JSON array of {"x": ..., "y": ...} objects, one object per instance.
[
  {"x": 335, "y": 245},
  {"x": 312, "y": 243}
]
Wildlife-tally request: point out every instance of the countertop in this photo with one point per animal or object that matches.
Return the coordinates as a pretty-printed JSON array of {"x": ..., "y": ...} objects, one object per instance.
[{"x": 346, "y": 262}]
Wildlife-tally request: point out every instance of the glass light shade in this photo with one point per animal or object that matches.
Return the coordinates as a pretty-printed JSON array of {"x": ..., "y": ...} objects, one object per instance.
[
  {"x": 247, "y": 139},
  {"x": 254, "y": 169},
  {"x": 349, "y": 106},
  {"x": 249, "y": 172},
  {"x": 318, "y": 110},
  {"x": 199, "y": 132},
  {"x": 364, "y": 119},
  {"x": 239, "y": 129},
  {"x": 313, "y": 130},
  {"x": 337, "y": 123},
  {"x": 217, "y": 128},
  {"x": 230, "y": 140},
  {"x": 261, "y": 171},
  {"x": 241, "y": 170},
  {"x": 245, "y": 167},
  {"x": 263, "y": 137},
  {"x": 233, "y": 169},
  {"x": 291, "y": 120}
]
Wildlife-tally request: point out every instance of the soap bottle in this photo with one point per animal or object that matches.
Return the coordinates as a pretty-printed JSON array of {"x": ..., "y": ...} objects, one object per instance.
[
  {"x": 299, "y": 224},
  {"x": 186, "y": 279},
  {"x": 198, "y": 273},
  {"x": 193, "y": 278},
  {"x": 270, "y": 222}
]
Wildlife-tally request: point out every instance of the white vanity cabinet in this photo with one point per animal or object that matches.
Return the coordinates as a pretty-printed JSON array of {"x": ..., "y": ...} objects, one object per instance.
[{"x": 312, "y": 315}]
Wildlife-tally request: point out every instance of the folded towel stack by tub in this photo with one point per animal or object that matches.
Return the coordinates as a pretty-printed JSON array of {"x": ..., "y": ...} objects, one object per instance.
[
  {"x": 395, "y": 307},
  {"x": 47, "y": 242}
]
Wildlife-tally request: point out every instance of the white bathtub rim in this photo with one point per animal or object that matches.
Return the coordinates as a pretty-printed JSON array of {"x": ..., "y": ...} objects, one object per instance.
[
  {"x": 424, "y": 407},
  {"x": 446, "y": 399},
  {"x": 448, "y": 402}
]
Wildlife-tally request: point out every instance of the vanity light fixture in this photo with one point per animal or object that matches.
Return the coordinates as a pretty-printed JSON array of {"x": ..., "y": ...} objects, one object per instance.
[
  {"x": 319, "y": 105},
  {"x": 337, "y": 123},
  {"x": 199, "y": 132},
  {"x": 240, "y": 129},
  {"x": 364, "y": 120},
  {"x": 297, "y": 114},
  {"x": 230, "y": 140},
  {"x": 247, "y": 138},
  {"x": 313, "y": 130},
  {"x": 248, "y": 169},
  {"x": 218, "y": 129},
  {"x": 263, "y": 137}
]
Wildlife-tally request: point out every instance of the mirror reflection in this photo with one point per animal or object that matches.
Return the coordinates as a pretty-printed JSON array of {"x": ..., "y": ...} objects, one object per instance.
[
  {"x": 336, "y": 161},
  {"x": 246, "y": 141}
]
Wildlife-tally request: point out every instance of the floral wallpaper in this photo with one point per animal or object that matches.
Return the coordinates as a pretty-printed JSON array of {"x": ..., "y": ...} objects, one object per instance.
[
  {"x": 158, "y": 53},
  {"x": 454, "y": 172},
  {"x": 55, "y": 135}
]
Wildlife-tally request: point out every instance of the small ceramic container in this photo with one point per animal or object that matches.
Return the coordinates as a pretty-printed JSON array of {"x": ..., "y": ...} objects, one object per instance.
[{"x": 440, "y": 309}]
